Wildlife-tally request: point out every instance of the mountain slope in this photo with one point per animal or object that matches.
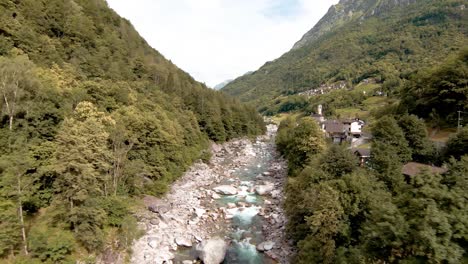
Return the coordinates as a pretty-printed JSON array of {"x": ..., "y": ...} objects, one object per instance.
[
  {"x": 90, "y": 117},
  {"x": 346, "y": 11},
  {"x": 386, "y": 40}
]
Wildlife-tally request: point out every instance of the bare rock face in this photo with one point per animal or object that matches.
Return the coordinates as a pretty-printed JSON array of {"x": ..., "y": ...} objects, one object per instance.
[{"x": 212, "y": 251}]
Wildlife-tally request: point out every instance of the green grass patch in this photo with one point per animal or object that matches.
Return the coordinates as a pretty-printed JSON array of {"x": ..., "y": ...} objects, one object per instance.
[
  {"x": 280, "y": 117},
  {"x": 375, "y": 101},
  {"x": 351, "y": 113},
  {"x": 367, "y": 87}
]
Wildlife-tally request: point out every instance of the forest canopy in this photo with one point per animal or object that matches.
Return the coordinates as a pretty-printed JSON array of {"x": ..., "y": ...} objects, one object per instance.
[{"x": 341, "y": 212}]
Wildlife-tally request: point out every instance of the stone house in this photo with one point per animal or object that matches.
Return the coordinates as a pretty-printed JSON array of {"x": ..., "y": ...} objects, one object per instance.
[
  {"x": 335, "y": 130},
  {"x": 363, "y": 154}
]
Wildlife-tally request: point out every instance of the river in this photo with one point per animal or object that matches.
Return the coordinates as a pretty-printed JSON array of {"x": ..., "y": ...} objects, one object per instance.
[{"x": 236, "y": 197}]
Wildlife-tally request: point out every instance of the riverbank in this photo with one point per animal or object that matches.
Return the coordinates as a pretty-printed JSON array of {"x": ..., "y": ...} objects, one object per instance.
[{"x": 237, "y": 197}]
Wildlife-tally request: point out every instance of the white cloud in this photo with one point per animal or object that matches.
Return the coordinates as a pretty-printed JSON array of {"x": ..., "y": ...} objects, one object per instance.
[{"x": 216, "y": 40}]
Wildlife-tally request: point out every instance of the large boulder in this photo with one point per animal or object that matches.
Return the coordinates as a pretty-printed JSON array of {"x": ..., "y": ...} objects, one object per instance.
[
  {"x": 265, "y": 246},
  {"x": 264, "y": 189},
  {"x": 153, "y": 242},
  {"x": 161, "y": 209},
  {"x": 216, "y": 148},
  {"x": 226, "y": 190},
  {"x": 212, "y": 251},
  {"x": 199, "y": 212},
  {"x": 183, "y": 241}
]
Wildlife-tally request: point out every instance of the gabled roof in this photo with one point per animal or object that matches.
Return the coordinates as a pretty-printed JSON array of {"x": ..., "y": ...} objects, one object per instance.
[
  {"x": 333, "y": 126},
  {"x": 363, "y": 152},
  {"x": 414, "y": 168},
  {"x": 350, "y": 121}
]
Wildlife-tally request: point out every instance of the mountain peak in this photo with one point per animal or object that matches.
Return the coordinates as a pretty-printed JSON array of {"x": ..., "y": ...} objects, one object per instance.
[{"x": 346, "y": 11}]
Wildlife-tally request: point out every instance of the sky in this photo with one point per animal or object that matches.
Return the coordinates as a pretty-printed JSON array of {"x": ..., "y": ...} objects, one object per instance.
[{"x": 217, "y": 40}]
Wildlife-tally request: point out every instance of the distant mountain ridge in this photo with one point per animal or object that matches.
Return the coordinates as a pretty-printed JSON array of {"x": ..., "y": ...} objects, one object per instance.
[
  {"x": 386, "y": 40},
  {"x": 346, "y": 11},
  {"x": 222, "y": 85}
]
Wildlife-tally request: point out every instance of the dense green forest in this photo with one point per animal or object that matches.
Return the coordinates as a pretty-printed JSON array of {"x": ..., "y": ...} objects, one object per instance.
[
  {"x": 92, "y": 116},
  {"x": 340, "y": 212},
  {"x": 389, "y": 47}
]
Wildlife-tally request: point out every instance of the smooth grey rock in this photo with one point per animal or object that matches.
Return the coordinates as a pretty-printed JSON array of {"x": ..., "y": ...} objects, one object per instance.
[
  {"x": 265, "y": 246},
  {"x": 225, "y": 189},
  {"x": 161, "y": 209},
  {"x": 154, "y": 221},
  {"x": 183, "y": 241},
  {"x": 264, "y": 189},
  {"x": 153, "y": 242}
]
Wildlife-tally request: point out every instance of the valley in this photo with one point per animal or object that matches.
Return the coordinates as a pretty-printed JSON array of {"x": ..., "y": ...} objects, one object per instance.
[{"x": 351, "y": 147}]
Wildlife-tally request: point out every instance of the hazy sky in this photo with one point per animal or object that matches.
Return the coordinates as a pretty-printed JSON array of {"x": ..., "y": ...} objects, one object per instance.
[{"x": 216, "y": 40}]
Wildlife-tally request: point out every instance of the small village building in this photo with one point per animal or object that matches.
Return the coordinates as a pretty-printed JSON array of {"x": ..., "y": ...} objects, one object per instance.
[
  {"x": 335, "y": 130},
  {"x": 339, "y": 130},
  {"x": 412, "y": 169},
  {"x": 363, "y": 154},
  {"x": 354, "y": 127}
]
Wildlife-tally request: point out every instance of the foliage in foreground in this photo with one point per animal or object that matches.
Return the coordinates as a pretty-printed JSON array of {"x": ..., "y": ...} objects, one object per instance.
[{"x": 342, "y": 213}]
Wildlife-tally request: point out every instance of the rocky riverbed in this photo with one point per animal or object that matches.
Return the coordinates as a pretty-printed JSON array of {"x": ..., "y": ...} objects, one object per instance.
[{"x": 228, "y": 209}]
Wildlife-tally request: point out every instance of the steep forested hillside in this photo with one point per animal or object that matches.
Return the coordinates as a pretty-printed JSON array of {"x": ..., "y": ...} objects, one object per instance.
[
  {"x": 91, "y": 116},
  {"x": 385, "y": 41}
]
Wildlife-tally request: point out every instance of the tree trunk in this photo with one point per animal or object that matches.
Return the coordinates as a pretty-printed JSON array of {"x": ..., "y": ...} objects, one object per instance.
[
  {"x": 115, "y": 175},
  {"x": 21, "y": 217},
  {"x": 120, "y": 155},
  {"x": 9, "y": 110},
  {"x": 11, "y": 123}
]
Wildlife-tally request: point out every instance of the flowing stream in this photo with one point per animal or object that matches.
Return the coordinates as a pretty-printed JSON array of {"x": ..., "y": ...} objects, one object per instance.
[
  {"x": 245, "y": 229},
  {"x": 246, "y": 220}
]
